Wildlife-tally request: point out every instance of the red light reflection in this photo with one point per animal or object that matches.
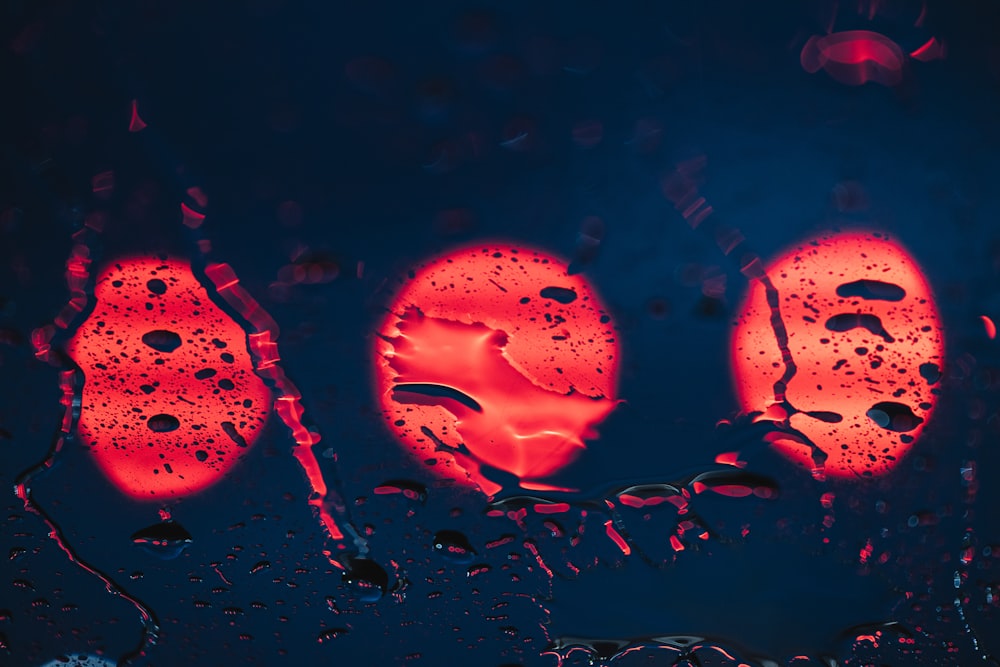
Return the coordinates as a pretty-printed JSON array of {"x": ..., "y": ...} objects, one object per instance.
[
  {"x": 855, "y": 57},
  {"x": 135, "y": 122},
  {"x": 171, "y": 400},
  {"x": 496, "y": 358},
  {"x": 930, "y": 50},
  {"x": 865, "y": 338}
]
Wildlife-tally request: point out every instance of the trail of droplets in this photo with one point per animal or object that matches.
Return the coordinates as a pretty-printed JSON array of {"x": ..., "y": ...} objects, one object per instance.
[
  {"x": 325, "y": 499},
  {"x": 71, "y": 383},
  {"x": 680, "y": 188},
  {"x": 653, "y": 521}
]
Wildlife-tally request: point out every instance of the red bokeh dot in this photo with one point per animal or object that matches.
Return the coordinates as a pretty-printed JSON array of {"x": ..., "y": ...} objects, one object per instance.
[
  {"x": 865, "y": 336},
  {"x": 171, "y": 400},
  {"x": 494, "y": 357}
]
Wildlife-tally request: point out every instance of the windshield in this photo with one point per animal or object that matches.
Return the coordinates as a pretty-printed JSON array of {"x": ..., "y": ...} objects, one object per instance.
[{"x": 545, "y": 334}]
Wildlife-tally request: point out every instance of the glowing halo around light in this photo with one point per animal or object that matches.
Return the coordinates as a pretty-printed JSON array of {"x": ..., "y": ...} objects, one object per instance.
[{"x": 855, "y": 57}]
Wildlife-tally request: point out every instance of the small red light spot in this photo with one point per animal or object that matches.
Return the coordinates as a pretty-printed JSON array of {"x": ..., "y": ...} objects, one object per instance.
[
  {"x": 617, "y": 538},
  {"x": 991, "y": 328},
  {"x": 190, "y": 217},
  {"x": 136, "y": 123},
  {"x": 865, "y": 343},
  {"x": 553, "y": 508},
  {"x": 932, "y": 49},
  {"x": 496, "y": 358},
  {"x": 731, "y": 459},
  {"x": 171, "y": 400},
  {"x": 854, "y": 57}
]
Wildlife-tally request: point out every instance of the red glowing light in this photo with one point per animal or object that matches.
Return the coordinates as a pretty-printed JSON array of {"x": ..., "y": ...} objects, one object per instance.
[
  {"x": 617, "y": 538},
  {"x": 932, "y": 49},
  {"x": 855, "y": 57},
  {"x": 496, "y": 358},
  {"x": 135, "y": 122},
  {"x": 190, "y": 217},
  {"x": 865, "y": 346},
  {"x": 171, "y": 400},
  {"x": 989, "y": 326}
]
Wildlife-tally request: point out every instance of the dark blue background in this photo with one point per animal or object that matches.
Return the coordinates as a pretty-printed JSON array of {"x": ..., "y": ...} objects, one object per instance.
[{"x": 380, "y": 120}]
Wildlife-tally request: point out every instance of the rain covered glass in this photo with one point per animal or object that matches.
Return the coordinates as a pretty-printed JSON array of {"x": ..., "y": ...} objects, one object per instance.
[{"x": 510, "y": 333}]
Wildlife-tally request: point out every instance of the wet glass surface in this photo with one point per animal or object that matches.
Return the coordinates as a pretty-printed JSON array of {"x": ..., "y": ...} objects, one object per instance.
[{"x": 500, "y": 334}]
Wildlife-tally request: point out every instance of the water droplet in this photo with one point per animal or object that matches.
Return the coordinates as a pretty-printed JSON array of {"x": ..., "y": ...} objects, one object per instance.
[
  {"x": 563, "y": 295},
  {"x": 874, "y": 290},
  {"x": 75, "y": 660},
  {"x": 847, "y": 321},
  {"x": 736, "y": 484},
  {"x": 330, "y": 633},
  {"x": 162, "y": 340},
  {"x": 262, "y": 565},
  {"x": 478, "y": 569},
  {"x": 164, "y": 540},
  {"x": 366, "y": 579},
  {"x": 930, "y": 372},
  {"x": 454, "y": 546},
  {"x": 895, "y": 417},
  {"x": 163, "y": 423},
  {"x": 409, "y": 490}
]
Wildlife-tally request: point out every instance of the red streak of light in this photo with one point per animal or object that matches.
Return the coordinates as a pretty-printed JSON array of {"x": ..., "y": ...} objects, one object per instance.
[
  {"x": 135, "y": 123},
  {"x": 932, "y": 49},
  {"x": 554, "y": 508},
  {"x": 723, "y": 653},
  {"x": 635, "y": 501},
  {"x": 868, "y": 347},
  {"x": 872, "y": 9},
  {"x": 866, "y": 552},
  {"x": 190, "y": 217},
  {"x": 530, "y": 546},
  {"x": 500, "y": 541},
  {"x": 77, "y": 274},
  {"x": 731, "y": 459},
  {"x": 222, "y": 576},
  {"x": 198, "y": 196},
  {"x": 495, "y": 357},
  {"x": 617, "y": 538},
  {"x": 731, "y": 490},
  {"x": 991, "y": 328},
  {"x": 854, "y": 57},
  {"x": 288, "y": 406},
  {"x": 676, "y": 544}
]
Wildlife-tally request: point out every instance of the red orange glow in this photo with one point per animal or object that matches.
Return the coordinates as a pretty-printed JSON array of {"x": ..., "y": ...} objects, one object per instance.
[
  {"x": 989, "y": 326},
  {"x": 135, "y": 122},
  {"x": 854, "y": 57},
  {"x": 171, "y": 400},
  {"x": 930, "y": 50},
  {"x": 866, "y": 347},
  {"x": 496, "y": 358}
]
